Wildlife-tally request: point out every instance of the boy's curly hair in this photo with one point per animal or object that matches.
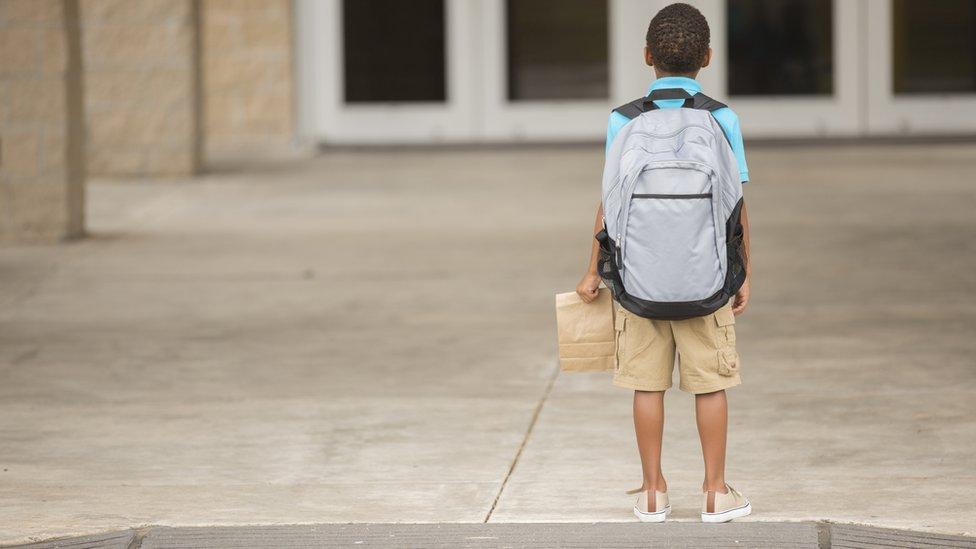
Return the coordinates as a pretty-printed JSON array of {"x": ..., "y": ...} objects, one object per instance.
[{"x": 678, "y": 38}]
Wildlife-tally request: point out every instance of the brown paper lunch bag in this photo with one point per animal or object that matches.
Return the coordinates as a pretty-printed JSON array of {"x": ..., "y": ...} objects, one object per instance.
[{"x": 587, "y": 341}]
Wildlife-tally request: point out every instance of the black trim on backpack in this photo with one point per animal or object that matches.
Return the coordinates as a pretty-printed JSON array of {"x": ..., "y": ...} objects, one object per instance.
[
  {"x": 631, "y": 110},
  {"x": 641, "y": 105},
  {"x": 735, "y": 275},
  {"x": 668, "y": 93}
]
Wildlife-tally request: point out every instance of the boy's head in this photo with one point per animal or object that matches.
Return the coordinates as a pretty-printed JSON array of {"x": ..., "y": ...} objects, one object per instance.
[{"x": 677, "y": 41}]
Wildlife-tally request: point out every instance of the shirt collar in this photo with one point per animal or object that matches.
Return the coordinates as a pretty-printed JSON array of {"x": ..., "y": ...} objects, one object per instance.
[{"x": 690, "y": 85}]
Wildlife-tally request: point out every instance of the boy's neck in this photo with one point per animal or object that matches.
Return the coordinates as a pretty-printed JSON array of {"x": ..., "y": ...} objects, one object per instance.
[{"x": 665, "y": 74}]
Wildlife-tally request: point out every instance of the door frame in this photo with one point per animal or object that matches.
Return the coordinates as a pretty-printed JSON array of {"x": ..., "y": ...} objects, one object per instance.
[
  {"x": 323, "y": 115},
  {"x": 530, "y": 120},
  {"x": 905, "y": 115}
]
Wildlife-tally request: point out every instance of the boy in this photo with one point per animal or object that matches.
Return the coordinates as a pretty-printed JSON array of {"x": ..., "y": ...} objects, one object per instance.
[{"x": 677, "y": 48}]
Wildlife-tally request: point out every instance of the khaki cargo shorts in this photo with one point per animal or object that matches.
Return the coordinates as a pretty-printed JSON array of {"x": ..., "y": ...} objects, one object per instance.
[{"x": 707, "y": 360}]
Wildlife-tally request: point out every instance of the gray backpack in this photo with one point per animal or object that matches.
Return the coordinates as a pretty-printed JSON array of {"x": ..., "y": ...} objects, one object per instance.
[{"x": 671, "y": 247}]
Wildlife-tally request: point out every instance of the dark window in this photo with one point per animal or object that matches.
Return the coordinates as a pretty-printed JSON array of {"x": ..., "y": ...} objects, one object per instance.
[
  {"x": 780, "y": 47},
  {"x": 393, "y": 50},
  {"x": 557, "y": 49},
  {"x": 934, "y": 46}
]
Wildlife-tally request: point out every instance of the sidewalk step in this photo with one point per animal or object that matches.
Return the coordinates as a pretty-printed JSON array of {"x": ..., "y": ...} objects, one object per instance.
[
  {"x": 786, "y": 535},
  {"x": 604, "y": 535}
]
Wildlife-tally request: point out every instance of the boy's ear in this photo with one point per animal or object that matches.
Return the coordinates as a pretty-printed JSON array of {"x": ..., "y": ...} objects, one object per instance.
[
  {"x": 708, "y": 58},
  {"x": 648, "y": 58}
]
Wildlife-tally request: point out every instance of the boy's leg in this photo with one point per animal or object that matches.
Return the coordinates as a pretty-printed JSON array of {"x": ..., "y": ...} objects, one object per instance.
[
  {"x": 645, "y": 362},
  {"x": 711, "y": 412},
  {"x": 709, "y": 365},
  {"x": 649, "y": 427}
]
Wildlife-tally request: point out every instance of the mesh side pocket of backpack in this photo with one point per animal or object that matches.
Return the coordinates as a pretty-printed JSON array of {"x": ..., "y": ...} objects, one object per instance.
[
  {"x": 735, "y": 248},
  {"x": 607, "y": 264}
]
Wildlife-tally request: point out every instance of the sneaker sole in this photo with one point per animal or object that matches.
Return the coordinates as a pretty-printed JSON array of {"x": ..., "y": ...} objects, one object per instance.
[
  {"x": 726, "y": 516},
  {"x": 657, "y": 516}
]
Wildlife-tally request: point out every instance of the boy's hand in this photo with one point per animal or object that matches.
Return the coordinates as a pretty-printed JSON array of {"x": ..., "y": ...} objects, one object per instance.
[
  {"x": 741, "y": 299},
  {"x": 588, "y": 287}
]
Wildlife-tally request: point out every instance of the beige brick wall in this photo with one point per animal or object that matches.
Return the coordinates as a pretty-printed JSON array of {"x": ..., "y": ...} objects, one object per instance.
[
  {"x": 247, "y": 78},
  {"x": 41, "y": 154},
  {"x": 142, "y": 87}
]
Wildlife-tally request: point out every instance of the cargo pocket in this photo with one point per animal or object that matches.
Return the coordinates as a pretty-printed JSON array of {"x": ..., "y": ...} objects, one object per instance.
[
  {"x": 728, "y": 362},
  {"x": 619, "y": 322},
  {"x": 726, "y": 328}
]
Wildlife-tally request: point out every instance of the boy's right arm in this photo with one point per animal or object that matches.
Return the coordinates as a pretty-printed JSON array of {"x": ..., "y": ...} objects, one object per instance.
[{"x": 589, "y": 285}]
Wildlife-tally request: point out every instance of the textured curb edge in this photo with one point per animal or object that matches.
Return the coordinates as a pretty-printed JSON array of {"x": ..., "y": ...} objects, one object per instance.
[{"x": 820, "y": 534}]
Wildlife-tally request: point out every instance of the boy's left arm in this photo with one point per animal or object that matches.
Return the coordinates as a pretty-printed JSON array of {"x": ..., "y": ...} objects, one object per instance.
[
  {"x": 742, "y": 296},
  {"x": 730, "y": 125}
]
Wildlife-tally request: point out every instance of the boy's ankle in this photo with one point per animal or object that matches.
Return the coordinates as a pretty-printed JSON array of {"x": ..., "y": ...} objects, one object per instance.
[
  {"x": 715, "y": 487},
  {"x": 660, "y": 485}
]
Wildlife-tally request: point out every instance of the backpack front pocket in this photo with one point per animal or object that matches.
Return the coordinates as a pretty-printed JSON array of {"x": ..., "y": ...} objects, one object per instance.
[{"x": 671, "y": 253}]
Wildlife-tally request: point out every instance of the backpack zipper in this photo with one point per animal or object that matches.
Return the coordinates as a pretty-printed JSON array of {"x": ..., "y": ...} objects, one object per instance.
[
  {"x": 620, "y": 255},
  {"x": 672, "y": 196}
]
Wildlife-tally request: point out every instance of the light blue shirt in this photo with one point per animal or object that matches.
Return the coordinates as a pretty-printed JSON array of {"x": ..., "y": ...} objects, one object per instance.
[{"x": 726, "y": 118}]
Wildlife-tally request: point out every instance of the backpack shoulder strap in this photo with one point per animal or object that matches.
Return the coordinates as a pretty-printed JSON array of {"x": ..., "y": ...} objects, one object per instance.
[
  {"x": 641, "y": 105},
  {"x": 706, "y": 103},
  {"x": 633, "y": 109}
]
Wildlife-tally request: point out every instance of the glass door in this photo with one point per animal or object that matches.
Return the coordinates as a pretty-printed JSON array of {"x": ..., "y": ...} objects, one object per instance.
[
  {"x": 546, "y": 69},
  {"x": 791, "y": 67},
  {"x": 921, "y": 67},
  {"x": 385, "y": 71},
  {"x": 788, "y": 67},
  {"x": 428, "y": 71}
]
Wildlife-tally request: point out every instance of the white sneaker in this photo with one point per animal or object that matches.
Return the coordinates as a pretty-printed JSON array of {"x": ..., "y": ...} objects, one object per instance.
[
  {"x": 727, "y": 506},
  {"x": 662, "y": 507}
]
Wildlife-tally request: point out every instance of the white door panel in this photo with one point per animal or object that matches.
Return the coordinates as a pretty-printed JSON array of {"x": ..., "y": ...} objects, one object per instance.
[
  {"x": 891, "y": 114},
  {"x": 326, "y": 117}
]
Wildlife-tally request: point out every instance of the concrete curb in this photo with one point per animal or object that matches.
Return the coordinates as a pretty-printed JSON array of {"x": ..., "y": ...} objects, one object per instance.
[{"x": 814, "y": 535}]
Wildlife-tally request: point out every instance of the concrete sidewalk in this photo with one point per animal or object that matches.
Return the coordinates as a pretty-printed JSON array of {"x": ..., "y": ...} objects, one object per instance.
[{"x": 369, "y": 338}]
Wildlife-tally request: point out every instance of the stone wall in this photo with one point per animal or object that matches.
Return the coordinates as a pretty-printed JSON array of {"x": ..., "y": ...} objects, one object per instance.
[
  {"x": 142, "y": 86},
  {"x": 41, "y": 141},
  {"x": 247, "y": 78}
]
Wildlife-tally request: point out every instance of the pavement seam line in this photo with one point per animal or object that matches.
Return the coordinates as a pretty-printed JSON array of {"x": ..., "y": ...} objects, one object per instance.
[
  {"x": 138, "y": 536},
  {"x": 823, "y": 534},
  {"x": 525, "y": 438}
]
